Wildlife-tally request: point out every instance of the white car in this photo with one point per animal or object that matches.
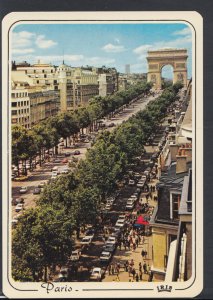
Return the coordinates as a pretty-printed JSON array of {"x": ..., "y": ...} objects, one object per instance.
[
  {"x": 23, "y": 190},
  {"x": 122, "y": 217},
  {"x": 65, "y": 171},
  {"x": 86, "y": 241},
  {"x": 120, "y": 223},
  {"x": 19, "y": 207},
  {"x": 134, "y": 197},
  {"x": 54, "y": 175},
  {"x": 131, "y": 182},
  {"x": 108, "y": 206},
  {"x": 96, "y": 274},
  {"x": 75, "y": 255},
  {"x": 111, "y": 240},
  {"x": 105, "y": 256}
]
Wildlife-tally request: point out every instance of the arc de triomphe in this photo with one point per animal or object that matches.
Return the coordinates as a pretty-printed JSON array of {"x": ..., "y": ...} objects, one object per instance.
[{"x": 157, "y": 59}]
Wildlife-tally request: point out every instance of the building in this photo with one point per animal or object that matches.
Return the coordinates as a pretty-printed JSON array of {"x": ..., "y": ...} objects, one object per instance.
[
  {"x": 31, "y": 103},
  {"x": 127, "y": 69},
  {"x": 20, "y": 104},
  {"x": 171, "y": 220}
]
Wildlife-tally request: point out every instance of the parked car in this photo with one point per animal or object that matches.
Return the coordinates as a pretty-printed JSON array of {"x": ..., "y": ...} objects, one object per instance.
[
  {"x": 112, "y": 240},
  {"x": 108, "y": 206},
  {"x": 122, "y": 217},
  {"x": 54, "y": 175},
  {"x": 90, "y": 232},
  {"x": 111, "y": 125},
  {"x": 65, "y": 171},
  {"x": 77, "y": 152},
  {"x": 96, "y": 274},
  {"x": 67, "y": 154},
  {"x": 86, "y": 241},
  {"x": 36, "y": 191},
  {"x": 55, "y": 169},
  {"x": 75, "y": 255},
  {"x": 120, "y": 223},
  {"x": 41, "y": 184},
  {"x": 19, "y": 207},
  {"x": 65, "y": 160},
  {"x": 131, "y": 182},
  {"x": 23, "y": 190},
  {"x": 109, "y": 247},
  {"x": 105, "y": 256}
]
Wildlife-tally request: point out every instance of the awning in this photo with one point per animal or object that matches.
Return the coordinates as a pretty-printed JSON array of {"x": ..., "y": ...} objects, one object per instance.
[{"x": 141, "y": 221}]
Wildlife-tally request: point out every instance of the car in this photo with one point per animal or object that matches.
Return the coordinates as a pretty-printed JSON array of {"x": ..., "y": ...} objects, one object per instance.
[
  {"x": 134, "y": 197},
  {"x": 96, "y": 274},
  {"x": 120, "y": 223},
  {"x": 57, "y": 161},
  {"x": 13, "y": 176},
  {"x": 41, "y": 184},
  {"x": 130, "y": 206},
  {"x": 23, "y": 190},
  {"x": 75, "y": 255},
  {"x": 109, "y": 247},
  {"x": 65, "y": 171},
  {"x": 86, "y": 241},
  {"x": 64, "y": 273},
  {"x": 111, "y": 240},
  {"x": 137, "y": 175},
  {"x": 36, "y": 191},
  {"x": 14, "y": 223},
  {"x": 140, "y": 184},
  {"x": 122, "y": 217},
  {"x": 111, "y": 124},
  {"x": 90, "y": 232},
  {"x": 131, "y": 182},
  {"x": 77, "y": 152},
  {"x": 108, "y": 206},
  {"x": 65, "y": 160},
  {"x": 19, "y": 207},
  {"x": 55, "y": 169},
  {"x": 54, "y": 175},
  {"x": 105, "y": 256},
  {"x": 67, "y": 154}
]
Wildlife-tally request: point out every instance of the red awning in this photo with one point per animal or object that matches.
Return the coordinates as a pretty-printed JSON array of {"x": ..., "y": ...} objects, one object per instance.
[{"x": 141, "y": 221}]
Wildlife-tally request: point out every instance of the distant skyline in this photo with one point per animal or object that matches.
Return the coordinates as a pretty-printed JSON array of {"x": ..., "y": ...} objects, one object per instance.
[{"x": 112, "y": 45}]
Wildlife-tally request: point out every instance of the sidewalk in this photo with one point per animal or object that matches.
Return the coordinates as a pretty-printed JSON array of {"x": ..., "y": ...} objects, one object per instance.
[{"x": 121, "y": 256}]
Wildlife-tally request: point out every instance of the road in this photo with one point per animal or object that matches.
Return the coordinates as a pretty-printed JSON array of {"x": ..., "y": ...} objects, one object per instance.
[{"x": 43, "y": 173}]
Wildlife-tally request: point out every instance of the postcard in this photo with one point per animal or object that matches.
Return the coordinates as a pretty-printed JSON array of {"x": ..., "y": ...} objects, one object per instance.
[{"x": 102, "y": 154}]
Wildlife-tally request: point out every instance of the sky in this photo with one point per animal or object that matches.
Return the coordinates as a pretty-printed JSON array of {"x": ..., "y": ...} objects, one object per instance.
[{"x": 112, "y": 45}]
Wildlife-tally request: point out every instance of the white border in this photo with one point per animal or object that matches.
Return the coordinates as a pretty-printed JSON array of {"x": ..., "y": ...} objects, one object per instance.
[{"x": 195, "y": 19}]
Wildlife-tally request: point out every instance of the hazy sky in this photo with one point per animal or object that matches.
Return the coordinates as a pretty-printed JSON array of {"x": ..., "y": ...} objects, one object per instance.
[{"x": 112, "y": 45}]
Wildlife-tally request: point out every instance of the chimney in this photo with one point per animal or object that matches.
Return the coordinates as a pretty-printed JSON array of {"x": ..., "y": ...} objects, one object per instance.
[
  {"x": 181, "y": 158},
  {"x": 173, "y": 150}
]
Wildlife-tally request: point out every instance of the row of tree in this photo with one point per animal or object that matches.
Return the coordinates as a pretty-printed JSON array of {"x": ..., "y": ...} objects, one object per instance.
[
  {"x": 28, "y": 144},
  {"x": 44, "y": 235}
]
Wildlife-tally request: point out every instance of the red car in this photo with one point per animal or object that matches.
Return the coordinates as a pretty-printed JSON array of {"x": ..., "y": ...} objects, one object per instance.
[{"x": 65, "y": 160}]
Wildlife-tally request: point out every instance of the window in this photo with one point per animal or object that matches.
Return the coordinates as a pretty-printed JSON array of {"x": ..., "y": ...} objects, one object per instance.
[
  {"x": 37, "y": 81},
  {"x": 14, "y": 112},
  {"x": 14, "y": 104},
  {"x": 174, "y": 205}
]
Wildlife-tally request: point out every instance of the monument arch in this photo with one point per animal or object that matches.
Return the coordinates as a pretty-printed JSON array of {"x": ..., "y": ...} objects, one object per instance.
[{"x": 157, "y": 59}]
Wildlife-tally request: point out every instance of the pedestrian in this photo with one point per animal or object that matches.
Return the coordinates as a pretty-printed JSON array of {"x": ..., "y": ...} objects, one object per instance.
[
  {"x": 132, "y": 262},
  {"x": 133, "y": 273},
  {"x": 109, "y": 269},
  {"x": 140, "y": 266},
  {"x": 137, "y": 242},
  {"x": 118, "y": 268},
  {"x": 145, "y": 268},
  {"x": 129, "y": 270},
  {"x": 133, "y": 247},
  {"x": 140, "y": 274},
  {"x": 117, "y": 278},
  {"x": 113, "y": 270},
  {"x": 127, "y": 265},
  {"x": 136, "y": 277}
]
